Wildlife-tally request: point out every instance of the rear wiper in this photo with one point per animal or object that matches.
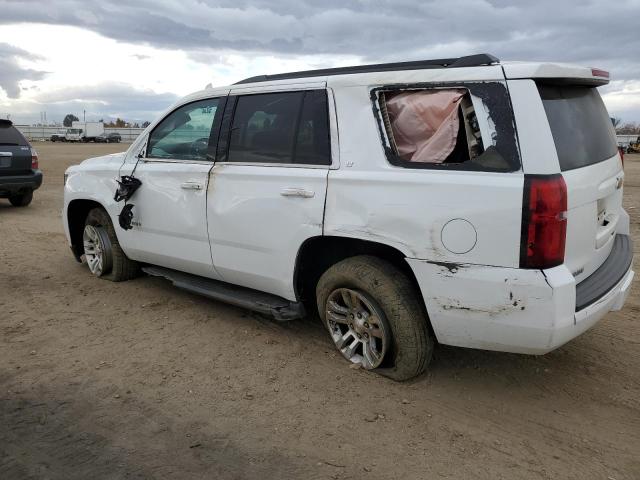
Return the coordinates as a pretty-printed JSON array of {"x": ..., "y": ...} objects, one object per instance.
[{"x": 10, "y": 144}]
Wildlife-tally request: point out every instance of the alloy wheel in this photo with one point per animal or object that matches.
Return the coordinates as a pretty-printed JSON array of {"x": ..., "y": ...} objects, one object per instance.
[
  {"x": 358, "y": 327},
  {"x": 97, "y": 250}
]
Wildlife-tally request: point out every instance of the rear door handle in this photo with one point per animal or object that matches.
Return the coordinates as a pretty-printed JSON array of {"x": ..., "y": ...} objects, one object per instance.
[
  {"x": 297, "y": 192},
  {"x": 191, "y": 186}
]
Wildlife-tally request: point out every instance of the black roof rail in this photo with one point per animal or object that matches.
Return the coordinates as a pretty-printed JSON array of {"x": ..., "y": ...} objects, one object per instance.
[{"x": 468, "y": 61}]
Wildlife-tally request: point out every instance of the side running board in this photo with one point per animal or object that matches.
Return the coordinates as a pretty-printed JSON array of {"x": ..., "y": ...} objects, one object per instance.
[{"x": 277, "y": 307}]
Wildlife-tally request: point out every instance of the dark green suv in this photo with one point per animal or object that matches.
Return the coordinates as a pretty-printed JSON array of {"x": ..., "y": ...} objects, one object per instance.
[{"x": 19, "y": 172}]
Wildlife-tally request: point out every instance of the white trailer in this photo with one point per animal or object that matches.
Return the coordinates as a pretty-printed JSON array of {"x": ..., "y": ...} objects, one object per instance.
[
  {"x": 625, "y": 139},
  {"x": 89, "y": 130}
]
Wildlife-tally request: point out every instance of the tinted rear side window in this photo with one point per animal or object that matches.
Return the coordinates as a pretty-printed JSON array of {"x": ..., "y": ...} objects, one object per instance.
[
  {"x": 581, "y": 128},
  {"x": 287, "y": 127},
  {"x": 312, "y": 142},
  {"x": 264, "y": 127},
  {"x": 9, "y": 135}
]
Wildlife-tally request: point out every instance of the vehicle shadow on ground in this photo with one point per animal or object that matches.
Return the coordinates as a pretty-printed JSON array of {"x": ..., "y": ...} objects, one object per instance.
[
  {"x": 446, "y": 361},
  {"x": 69, "y": 433}
]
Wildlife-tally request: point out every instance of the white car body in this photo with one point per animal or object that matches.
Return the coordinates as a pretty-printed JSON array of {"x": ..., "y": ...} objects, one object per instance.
[
  {"x": 73, "y": 134},
  {"x": 459, "y": 231}
]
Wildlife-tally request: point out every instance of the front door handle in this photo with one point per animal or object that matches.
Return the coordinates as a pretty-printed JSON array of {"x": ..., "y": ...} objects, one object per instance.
[
  {"x": 191, "y": 186},
  {"x": 297, "y": 192}
]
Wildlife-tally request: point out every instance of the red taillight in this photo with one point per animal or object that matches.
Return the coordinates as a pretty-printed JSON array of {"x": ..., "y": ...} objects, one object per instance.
[
  {"x": 597, "y": 72},
  {"x": 621, "y": 151},
  {"x": 34, "y": 159},
  {"x": 544, "y": 222}
]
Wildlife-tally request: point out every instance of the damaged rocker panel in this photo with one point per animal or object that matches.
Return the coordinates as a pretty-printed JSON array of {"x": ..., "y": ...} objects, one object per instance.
[{"x": 261, "y": 302}]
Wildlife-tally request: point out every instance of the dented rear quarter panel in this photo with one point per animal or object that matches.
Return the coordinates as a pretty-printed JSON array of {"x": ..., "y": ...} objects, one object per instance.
[
  {"x": 477, "y": 299},
  {"x": 368, "y": 198},
  {"x": 495, "y": 308}
]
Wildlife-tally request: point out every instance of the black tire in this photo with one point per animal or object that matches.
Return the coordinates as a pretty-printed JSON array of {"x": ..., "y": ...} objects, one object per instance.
[
  {"x": 22, "y": 199},
  {"x": 122, "y": 268},
  {"x": 412, "y": 344}
]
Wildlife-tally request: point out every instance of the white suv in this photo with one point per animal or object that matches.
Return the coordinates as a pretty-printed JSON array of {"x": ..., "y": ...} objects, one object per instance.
[{"x": 464, "y": 201}]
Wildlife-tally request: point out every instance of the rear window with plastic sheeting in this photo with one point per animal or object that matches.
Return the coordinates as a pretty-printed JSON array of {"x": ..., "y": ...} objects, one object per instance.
[{"x": 461, "y": 127}]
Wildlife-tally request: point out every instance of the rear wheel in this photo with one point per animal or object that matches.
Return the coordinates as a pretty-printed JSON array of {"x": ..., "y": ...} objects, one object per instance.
[
  {"x": 22, "y": 199},
  {"x": 375, "y": 317},
  {"x": 102, "y": 252}
]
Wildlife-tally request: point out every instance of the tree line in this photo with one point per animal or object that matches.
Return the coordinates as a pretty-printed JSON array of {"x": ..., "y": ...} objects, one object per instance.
[
  {"x": 117, "y": 123},
  {"x": 628, "y": 128}
]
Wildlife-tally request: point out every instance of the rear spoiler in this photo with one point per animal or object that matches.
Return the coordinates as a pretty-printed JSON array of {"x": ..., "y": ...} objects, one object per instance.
[
  {"x": 559, "y": 73},
  {"x": 5, "y": 122}
]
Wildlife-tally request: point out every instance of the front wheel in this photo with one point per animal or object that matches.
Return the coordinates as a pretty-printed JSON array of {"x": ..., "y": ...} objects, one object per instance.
[
  {"x": 102, "y": 252},
  {"x": 375, "y": 317}
]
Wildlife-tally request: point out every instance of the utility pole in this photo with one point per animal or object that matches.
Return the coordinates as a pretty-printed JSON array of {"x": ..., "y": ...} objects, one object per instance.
[{"x": 84, "y": 116}]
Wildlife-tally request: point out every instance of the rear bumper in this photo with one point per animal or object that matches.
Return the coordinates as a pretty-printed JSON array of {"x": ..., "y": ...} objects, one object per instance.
[
  {"x": 584, "y": 319},
  {"x": 18, "y": 183},
  {"x": 508, "y": 309},
  {"x": 614, "y": 268}
]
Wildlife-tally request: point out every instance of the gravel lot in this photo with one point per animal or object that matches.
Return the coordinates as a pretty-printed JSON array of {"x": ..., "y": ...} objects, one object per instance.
[{"x": 100, "y": 380}]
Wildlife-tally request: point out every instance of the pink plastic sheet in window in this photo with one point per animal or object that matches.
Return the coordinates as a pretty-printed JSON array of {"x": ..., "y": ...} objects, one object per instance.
[{"x": 425, "y": 123}]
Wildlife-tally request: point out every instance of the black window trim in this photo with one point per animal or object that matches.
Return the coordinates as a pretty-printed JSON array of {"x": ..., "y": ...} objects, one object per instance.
[
  {"x": 222, "y": 151},
  {"x": 506, "y": 141},
  {"x": 213, "y": 134}
]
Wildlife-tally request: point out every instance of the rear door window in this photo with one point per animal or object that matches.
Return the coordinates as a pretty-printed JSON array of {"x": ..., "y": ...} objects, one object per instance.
[
  {"x": 284, "y": 127},
  {"x": 263, "y": 128},
  {"x": 581, "y": 128},
  {"x": 312, "y": 139}
]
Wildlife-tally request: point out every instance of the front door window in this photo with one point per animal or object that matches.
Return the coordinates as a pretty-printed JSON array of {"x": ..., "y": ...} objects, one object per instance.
[{"x": 184, "y": 133}]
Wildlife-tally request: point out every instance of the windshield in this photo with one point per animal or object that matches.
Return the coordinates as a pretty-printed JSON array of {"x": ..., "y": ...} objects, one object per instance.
[{"x": 581, "y": 127}]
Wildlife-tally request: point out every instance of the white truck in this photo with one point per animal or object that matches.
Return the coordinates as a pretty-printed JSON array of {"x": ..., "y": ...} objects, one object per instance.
[
  {"x": 88, "y": 131},
  {"x": 466, "y": 202}
]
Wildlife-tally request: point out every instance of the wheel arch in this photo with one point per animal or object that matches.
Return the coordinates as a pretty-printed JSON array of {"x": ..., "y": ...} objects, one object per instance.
[
  {"x": 319, "y": 253},
  {"x": 77, "y": 212}
]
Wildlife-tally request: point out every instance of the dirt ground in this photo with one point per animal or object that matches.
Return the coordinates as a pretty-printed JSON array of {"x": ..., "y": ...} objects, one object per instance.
[{"x": 138, "y": 380}]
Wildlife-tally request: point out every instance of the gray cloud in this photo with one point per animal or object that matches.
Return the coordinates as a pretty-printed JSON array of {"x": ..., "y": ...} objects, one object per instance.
[
  {"x": 107, "y": 100},
  {"x": 599, "y": 33},
  {"x": 11, "y": 73},
  {"x": 584, "y": 31}
]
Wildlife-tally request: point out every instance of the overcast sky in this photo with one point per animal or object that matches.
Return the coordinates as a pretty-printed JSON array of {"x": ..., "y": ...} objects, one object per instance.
[{"x": 133, "y": 59}]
